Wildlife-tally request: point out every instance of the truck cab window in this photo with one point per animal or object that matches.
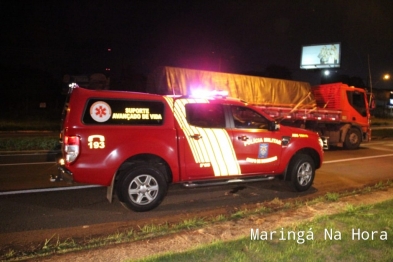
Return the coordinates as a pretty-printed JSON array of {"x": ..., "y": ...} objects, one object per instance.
[
  {"x": 205, "y": 115},
  {"x": 356, "y": 100},
  {"x": 244, "y": 117}
]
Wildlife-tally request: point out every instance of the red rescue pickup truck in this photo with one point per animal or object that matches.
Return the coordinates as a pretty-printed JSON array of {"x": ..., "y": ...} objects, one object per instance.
[{"x": 138, "y": 143}]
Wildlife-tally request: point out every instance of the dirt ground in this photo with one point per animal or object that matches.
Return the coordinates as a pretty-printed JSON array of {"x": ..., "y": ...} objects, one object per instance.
[{"x": 224, "y": 231}]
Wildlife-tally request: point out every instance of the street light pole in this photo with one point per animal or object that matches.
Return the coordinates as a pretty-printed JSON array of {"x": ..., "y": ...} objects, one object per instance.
[{"x": 369, "y": 78}]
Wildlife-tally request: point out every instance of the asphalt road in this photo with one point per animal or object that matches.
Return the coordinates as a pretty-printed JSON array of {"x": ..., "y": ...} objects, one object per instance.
[
  {"x": 34, "y": 210},
  {"x": 65, "y": 206}
]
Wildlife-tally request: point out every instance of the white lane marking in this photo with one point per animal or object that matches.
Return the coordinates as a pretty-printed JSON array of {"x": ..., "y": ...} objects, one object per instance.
[
  {"x": 45, "y": 190},
  {"x": 354, "y": 159},
  {"x": 23, "y": 164}
]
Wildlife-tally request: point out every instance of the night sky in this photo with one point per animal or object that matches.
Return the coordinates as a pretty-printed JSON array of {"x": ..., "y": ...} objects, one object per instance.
[{"x": 73, "y": 37}]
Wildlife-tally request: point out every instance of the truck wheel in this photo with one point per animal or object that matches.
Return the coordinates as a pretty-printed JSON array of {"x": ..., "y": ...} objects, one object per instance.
[
  {"x": 142, "y": 188},
  {"x": 353, "y": 139},
  {"x": 301, "y": 172}
]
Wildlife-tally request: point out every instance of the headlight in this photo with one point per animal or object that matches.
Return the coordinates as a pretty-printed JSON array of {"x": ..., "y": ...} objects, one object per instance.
[
  {"x": 320, "y": 141},
  {"x": 324, "y": 142}
]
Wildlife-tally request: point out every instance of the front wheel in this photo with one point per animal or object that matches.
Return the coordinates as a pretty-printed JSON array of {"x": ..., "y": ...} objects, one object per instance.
[
  {"x": 353, "y": 139},
  {"x": 141, "y": 188},
  {"x": 302, "y": 172}
]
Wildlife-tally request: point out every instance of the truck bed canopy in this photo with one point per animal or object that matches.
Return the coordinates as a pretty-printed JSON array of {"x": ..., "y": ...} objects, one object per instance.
[{"x": 253, "y": 89}]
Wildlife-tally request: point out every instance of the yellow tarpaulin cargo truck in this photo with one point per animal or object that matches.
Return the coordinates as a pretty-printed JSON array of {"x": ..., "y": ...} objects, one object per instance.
[{"x": 336, "y": 111}]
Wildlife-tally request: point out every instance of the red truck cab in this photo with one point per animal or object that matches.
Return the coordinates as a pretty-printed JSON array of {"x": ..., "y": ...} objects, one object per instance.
[{"x": 138, "y": 143}]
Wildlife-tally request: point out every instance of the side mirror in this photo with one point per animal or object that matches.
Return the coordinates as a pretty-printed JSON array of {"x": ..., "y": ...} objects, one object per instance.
[{"x": 274, "y": 126}]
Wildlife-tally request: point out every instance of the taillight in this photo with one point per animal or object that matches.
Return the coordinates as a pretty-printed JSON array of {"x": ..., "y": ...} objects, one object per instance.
[{"x": 71, "y": 148}]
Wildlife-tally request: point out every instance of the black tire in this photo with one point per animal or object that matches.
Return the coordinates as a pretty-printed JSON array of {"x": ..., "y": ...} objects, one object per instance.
[
  {"x": 353, "y": 139},
  {"x": 141, "y": 188},
  {"x": 301, "y": 172}
]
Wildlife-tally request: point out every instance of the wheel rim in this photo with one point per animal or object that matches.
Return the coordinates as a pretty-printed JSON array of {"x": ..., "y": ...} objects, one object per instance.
[
  {"x": 304, "y": 174},
  {"x": 353, "y": 138},
  {"x": 143, "y": 189}
]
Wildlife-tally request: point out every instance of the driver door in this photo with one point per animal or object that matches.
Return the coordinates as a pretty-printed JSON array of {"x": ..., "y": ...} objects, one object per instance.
[{"x": 258, "y": 150}]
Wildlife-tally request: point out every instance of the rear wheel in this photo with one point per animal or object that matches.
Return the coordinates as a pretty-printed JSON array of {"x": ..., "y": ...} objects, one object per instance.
[
  {"x": 141, "y": 188},
  {"x": 353, "y": 139},
  {"x": 301, "y": 172}
]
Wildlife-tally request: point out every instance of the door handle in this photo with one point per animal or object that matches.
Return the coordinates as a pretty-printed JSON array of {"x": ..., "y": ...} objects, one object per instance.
[
  {"x": 196, "y": 136},
  {"x": 242, "y": 138}
]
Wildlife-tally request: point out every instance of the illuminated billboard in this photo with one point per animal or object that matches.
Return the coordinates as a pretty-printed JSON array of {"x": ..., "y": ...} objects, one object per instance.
[{"x": 321, "y": 56}]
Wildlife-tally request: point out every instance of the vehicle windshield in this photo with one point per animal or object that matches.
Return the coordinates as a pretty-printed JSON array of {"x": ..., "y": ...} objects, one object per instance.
[{"x": 357, "y": 101}]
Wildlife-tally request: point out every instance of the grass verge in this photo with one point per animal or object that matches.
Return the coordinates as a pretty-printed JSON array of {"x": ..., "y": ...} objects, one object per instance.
[
  {"x": 352, "y": 235},
  {"x": 29, "y": 143},
  {"x": 251, "y": 249}
]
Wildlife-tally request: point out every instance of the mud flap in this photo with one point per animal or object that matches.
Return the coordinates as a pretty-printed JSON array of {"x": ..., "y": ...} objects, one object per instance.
[{"x": 109, "y": 190}]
